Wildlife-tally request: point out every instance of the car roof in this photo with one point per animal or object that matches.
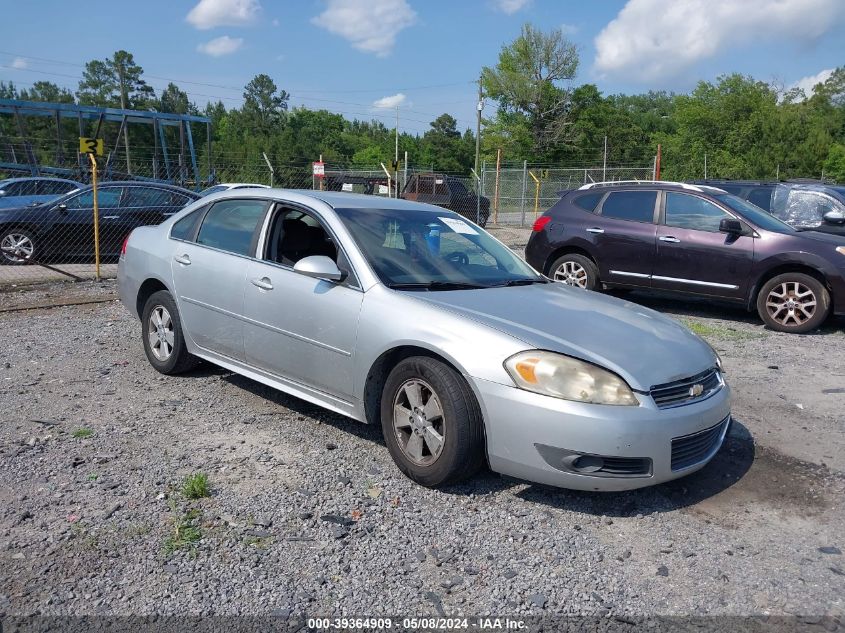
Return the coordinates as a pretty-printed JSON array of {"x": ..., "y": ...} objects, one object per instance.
[
  {"x": 650, "y": 184},
  {"x": 32, "y": 178},
  {"x": 342, "y": 199}
]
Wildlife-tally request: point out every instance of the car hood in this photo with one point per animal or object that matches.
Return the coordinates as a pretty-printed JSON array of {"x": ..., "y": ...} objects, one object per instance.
[
  {"x": 641, "y": 345},
  {"x": 818, "y": 236}
]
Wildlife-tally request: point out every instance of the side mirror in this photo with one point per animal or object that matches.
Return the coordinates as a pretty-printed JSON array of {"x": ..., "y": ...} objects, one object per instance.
[
  {"x": 731, "y": 226},
  {"x": 2, "y": 192},
  {"x": 319, "y": 267},
  {"x": 62, "y": 208},
  {"x": 834, "y": 217}
]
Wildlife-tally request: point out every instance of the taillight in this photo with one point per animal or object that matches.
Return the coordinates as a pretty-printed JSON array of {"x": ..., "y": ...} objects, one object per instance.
[
  {"x": 540, "y": 223},
  {"x": 125, "y": 242}
]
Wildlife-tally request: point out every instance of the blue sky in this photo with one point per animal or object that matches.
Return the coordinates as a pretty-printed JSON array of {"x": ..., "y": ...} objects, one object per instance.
[{"x": 347, "y": 55}]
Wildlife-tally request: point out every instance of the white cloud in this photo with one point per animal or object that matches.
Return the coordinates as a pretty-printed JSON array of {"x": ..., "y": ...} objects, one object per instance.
[
  {"x": 220, "y": 46},
  {"x": 370, "y": 25},
  {"x": 807, "y": 83},
  {"x": 652, "y": 39},
  {"x": 568, "y": 29},
  {"x": 390, "y": 102},
  {"x": 511, "y": 6},
  {"x": 210, "y": 13},
  {"x": 19, "y": 63}
]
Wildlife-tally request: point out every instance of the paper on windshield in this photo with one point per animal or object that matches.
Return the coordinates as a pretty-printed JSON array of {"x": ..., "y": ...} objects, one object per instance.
[{"x": 458, "y": 226}]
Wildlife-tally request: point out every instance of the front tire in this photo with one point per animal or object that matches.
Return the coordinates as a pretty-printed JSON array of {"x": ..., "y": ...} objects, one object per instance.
[
  {"x": 793, "y": 302},
  {"x": 17, "y": 247},
  {"x": 432, "y": 423},
  {"x": 161, "y": 332},
  {"x": 575, "y": 270}
]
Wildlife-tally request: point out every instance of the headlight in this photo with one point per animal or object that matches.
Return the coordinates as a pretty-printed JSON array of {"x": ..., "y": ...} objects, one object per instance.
[
  {"x": 840, "y": 250},
  {"x": 564, "y": 377}
]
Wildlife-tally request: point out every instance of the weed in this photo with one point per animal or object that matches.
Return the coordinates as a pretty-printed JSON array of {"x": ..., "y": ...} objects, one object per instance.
[
  {"x": 186, "y": 532},
  {"x": 725, "y": 333},
  {"x": 82, "y": 433},
  {"x": 196, "y": 486}
]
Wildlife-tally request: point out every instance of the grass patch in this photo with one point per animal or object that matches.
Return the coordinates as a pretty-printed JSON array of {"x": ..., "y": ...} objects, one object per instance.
[
  {"x": 82, "y": 433},
  {"x": 723, "y": 332},
  {"x": 259, "y": 542},
  {"x": 186, "y": 531},
  {"x": 196, "y": 486}
]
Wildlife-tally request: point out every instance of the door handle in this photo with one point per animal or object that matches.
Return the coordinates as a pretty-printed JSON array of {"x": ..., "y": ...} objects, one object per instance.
[
  {"x": 595, "y": 230},
  {"x": 669, "y": 238},
  {"x": 183, "y": 259},
  {"x": 264, "y": 283}
]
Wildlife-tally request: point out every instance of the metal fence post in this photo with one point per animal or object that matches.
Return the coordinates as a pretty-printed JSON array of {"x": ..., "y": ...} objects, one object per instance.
[
  {"x": 522, "y": 198},
  {"x": 96, "y": 214}
]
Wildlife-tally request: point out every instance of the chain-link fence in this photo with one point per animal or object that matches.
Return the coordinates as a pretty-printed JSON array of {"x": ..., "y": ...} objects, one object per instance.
[{"x": 49, "y": 229}]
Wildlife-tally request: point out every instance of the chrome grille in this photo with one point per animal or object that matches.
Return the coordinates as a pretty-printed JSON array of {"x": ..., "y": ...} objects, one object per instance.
[
  {"x": 688, "y": 390},
  {"x": 692, "y": 449}
]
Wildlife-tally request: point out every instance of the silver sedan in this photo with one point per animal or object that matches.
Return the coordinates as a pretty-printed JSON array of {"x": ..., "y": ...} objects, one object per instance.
[{"x": 409, "y": 316}]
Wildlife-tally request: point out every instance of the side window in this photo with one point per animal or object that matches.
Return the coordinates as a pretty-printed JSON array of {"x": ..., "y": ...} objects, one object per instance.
[
  {"x": 295, "y": 234},
  {"x": 230, "y": 225},
  {"x": 589, "y": 201},
  {"x": 16, "y": 189},
  {"x": 762, "y": 197},
  {"x": 806, "y": 209},
  {"x": 636, "y": 206},
  {"x": 107, "y": 198},
  {"x": 178, "y": 199},
  {"x": 184, "y": 228},
  {"x": 54, "y": 187},
  {"x": 147, "y": 197},
  {"x": 684, "y": 211}
]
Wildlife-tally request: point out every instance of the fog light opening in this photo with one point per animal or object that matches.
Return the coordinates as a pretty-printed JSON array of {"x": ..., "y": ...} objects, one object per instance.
[{"x": 588, "y": 464}]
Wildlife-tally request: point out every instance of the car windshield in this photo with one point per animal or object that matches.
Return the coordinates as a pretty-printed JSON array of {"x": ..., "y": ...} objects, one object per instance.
[
  {"x": 754, "y": 214},
  {"x": 420, "y": 249}
]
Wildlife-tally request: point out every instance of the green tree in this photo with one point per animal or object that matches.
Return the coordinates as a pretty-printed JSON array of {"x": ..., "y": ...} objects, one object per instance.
[
  {"x": 264, "y": 104},
  {"x": 834, "y": 165},
  {"x": 115, "y": 82},
  {"x": 527, "y": 81},
  {"x": 175, "y": 100}
]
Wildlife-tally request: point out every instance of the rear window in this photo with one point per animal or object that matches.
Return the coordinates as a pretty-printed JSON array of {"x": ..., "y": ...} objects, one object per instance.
[
  {"x": 588, "y": 201},
  {"x": 762, "y": 197},
  {"x": 230, "y": 225},
  {"x": 184, "y": 228},
  {"x": 635, "y": 206}
]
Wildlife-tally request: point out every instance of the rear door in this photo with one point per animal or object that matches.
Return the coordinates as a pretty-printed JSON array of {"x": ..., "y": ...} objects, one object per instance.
[
  {"x": 694, "y": 256},
  {"x": 623, "y": 235},
  {"x": 209, "y": 273}
]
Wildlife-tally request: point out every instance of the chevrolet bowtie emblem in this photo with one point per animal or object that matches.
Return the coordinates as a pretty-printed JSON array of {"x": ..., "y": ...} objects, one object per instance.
[{"x": 696, "y": 390}]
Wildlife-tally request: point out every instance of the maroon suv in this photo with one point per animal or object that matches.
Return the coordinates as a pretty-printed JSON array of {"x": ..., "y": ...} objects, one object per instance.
[{"x": 692, "y": 239}]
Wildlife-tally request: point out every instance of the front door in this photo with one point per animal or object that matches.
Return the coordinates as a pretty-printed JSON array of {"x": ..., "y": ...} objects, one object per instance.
[
  {"x": 694, "y": 256},
  {"x": 298, "y": 327},
  {"x": 73, "y": 228},
  {"x": 623, "y": 236},
  {"x": 209, "y": 274}
]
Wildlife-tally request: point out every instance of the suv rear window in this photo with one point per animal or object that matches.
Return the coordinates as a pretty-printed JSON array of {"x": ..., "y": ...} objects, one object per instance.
[
  {"x": 761, "y": 197},
  {"x": 636, "y": 206},
  {"x": 589, "y": 201}
]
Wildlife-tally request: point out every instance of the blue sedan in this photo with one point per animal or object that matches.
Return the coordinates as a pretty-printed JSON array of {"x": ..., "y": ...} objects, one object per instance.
[{"x": 23, "y": 192}]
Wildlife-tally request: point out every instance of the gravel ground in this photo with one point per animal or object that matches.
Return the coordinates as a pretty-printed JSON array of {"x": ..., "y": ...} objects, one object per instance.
[{"x": 307, "y": 513}]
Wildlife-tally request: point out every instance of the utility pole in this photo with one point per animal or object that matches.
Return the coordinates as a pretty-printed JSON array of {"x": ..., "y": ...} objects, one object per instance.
[
  {"x": 478, "y": 109},
  {"x": 396, "y": 156},
  {"x": 123, "y": 107}
]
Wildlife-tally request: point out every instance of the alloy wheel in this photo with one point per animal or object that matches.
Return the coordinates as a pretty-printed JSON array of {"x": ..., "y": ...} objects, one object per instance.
[
  {"x": 791, "y": 303},
  {"x": 418, "y": 422},
  {"x": 17, "y": 247},
  {"x": 161, "y": 335},
  {"x": 571, "y": 274}
]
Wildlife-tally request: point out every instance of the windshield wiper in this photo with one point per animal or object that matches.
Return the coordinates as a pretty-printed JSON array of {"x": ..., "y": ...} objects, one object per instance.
[
  {"x": 436, "y": 285},
  {"x": 523, "y": 282}
]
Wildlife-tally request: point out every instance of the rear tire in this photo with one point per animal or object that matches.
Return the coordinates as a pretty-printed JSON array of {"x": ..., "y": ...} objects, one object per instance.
[
  {"x": 793, "y": 302},
  {"x": 161, "y": 333},
  {"x": 423, "y": 400},
  {"x": 575, "y": 270}
]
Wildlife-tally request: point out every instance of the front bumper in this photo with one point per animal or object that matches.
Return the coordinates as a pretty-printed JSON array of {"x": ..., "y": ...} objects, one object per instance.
[{"x": 527, "y": 433}]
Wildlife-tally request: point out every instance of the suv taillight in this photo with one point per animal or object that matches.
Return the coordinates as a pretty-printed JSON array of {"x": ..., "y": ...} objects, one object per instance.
[
  {"x": 125, "y": 242},
  {"x": 540, "y": 223}
]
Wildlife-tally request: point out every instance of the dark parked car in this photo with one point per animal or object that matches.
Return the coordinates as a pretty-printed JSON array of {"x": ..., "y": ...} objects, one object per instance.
[
  {"x": 22, "y": 192},
  {"x": 64, "y": 227},
  {"x": 693, "y": 239},
  {"x": 449, "y": 192},
  {"x": 801, "y": 204}
]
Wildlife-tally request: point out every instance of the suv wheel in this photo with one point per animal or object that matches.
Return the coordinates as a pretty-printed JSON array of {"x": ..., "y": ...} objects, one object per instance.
[
  {"x": 793, "y": 302},
  {"x": 161, "y": 331},
  {"x": 575, "y": 270},
  {"x": 431, "y": 422}
]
